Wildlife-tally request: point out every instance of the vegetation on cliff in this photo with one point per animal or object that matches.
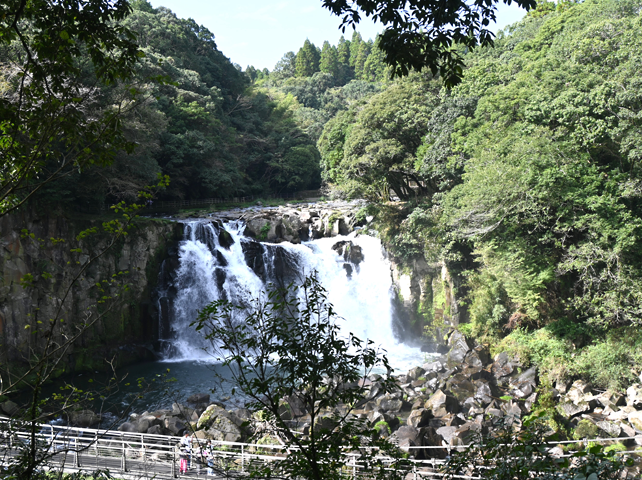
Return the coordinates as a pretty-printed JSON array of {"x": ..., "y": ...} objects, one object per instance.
[{"x": 525, "y": 179}]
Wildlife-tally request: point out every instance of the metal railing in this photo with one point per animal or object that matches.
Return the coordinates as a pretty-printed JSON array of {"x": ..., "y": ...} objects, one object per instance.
[{"x": 142, "y": 455}]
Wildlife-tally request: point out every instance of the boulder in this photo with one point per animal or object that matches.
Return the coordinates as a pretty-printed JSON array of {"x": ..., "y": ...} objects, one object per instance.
[
  {"x": 570, "y": 409},
  {"x": 441, "y": 404},
  {"x": 198, "y": 398},
  {"x": 416, "y": 373},
  {"x": 461, "y": 387},
  {"x": 611, "y": 429},
  {"x": 175, "y": 425},
  {"x": 155, "y": 430},
  {"x": 483, "y": 392},
  {"x": 83, "y": 418},
  {"x": 502, "y": 366},
  {"x": 634, "y": 396},
  {"x": 209, "y": 415},
  {"x": 324, "y": 424},
  {"x": 458, "y": 348},
  {"x": 635, "y": 419},
  {"x": 447, "y": 433},
  {"x": 224, "y": 429},
  {"x": 390, "y": 402},
  {"x": 419, "y": 418},
  {"x": 128, "y": 427},
  {"x": 408, "y": 436},
  {"x": 9, "y": 407}
]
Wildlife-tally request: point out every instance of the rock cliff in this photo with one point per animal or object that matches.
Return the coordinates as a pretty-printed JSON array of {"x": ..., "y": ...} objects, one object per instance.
[{"x": 42, "y": 278}]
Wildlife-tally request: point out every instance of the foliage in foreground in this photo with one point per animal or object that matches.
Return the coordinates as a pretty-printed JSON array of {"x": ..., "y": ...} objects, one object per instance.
[
  {"x": 510, "y": 453},
  {"x": 287, "y": 352}
]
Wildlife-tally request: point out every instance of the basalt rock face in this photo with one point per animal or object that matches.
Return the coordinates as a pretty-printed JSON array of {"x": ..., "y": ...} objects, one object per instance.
[{"x": 122, "y": 332}]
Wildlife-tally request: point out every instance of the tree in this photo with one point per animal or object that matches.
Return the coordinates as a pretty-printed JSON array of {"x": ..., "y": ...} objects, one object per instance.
[
  {"x": 286, "y": 352},
  {"x": 286, "y": 67},
  {"x": 362, "y": 57},
  {"x": 55, "y": 119},
  {"x": 307, "y": 60},
  {"x": 329, "y": 60},
  {"x": 426, "y": 33}
]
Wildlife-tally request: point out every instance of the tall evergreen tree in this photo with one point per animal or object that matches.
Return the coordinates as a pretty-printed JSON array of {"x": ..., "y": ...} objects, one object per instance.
[
  {"x": 355, "y": 43},
  {"x": 307, "y": 60},
  {"x": 346, "y": 73},
  {"x": 375, "y": 69},
  {"x": 329, "y": 60},
  {"x": 360, "y": 61},
  {"x": 343, "y": 50}
]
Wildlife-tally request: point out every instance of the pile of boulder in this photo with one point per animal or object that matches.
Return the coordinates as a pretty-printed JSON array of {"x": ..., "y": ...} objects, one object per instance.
[{"x": 442, "y": 403}]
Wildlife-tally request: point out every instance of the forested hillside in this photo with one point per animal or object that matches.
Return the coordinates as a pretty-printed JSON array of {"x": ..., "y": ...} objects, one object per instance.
[
  {"x": 525, "y": 179},
  {"x": 196, "y": 119}
]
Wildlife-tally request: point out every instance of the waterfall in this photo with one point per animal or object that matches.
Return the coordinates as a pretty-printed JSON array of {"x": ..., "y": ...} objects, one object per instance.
[{"x": 215, "y": 261}]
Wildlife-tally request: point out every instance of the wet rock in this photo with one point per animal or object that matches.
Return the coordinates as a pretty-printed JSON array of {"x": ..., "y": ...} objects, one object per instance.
[
  {"x": 225, "y": 240},
  {"x": 253, "y": 252},
  {"x": 198, "y": 398},
  {"x": 349, "y": 251}
]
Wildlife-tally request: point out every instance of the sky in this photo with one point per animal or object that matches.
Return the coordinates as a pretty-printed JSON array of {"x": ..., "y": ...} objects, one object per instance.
[{"x": 259, "y": 32}]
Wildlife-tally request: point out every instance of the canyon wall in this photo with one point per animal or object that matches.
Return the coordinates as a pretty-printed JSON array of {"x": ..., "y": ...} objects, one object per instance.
[{"x": 43, "y": 277}]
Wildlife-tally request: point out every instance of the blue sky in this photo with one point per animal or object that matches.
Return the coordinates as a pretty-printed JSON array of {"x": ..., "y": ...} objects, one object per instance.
[{"x": 259, "y": 32}]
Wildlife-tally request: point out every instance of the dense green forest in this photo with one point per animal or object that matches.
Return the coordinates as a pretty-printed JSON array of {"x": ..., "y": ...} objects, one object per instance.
[
  {"x": 196, "y": 118},
  {"x": 525, "y": 179}
]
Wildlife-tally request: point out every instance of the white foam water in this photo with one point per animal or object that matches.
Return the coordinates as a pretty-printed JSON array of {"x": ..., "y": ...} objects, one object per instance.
[{"x": 208, "y": 272}]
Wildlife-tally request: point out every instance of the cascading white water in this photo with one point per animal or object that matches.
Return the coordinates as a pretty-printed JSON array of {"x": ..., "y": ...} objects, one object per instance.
[{"x": 209, "y": 272}]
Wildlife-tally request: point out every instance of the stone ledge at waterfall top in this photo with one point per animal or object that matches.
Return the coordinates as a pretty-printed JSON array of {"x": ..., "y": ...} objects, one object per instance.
[
  {"x": 295, "y": 223},
  {"x": 443, "y": 402}
]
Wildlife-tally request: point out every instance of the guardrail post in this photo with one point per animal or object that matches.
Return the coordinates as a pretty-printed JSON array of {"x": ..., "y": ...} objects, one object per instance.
[
  {"x": 124, "y": 458},
  {"x": 173, "y": 464},
  {"x": 354, "y": 467},
  {"x": 414, "y": 471},
  {"x": 242, "y": 458}
]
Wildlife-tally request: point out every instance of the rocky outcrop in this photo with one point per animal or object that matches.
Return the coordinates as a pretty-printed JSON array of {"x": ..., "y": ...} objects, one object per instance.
[
  {"x": 296, "y": 223},
  {"x": 43, "y": 249}
]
